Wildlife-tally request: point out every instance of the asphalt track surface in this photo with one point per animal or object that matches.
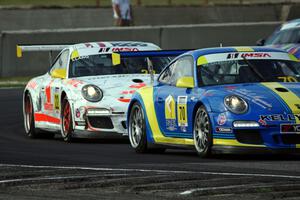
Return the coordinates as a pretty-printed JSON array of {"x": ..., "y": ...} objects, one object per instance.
[{"x": 110, "y": 169}]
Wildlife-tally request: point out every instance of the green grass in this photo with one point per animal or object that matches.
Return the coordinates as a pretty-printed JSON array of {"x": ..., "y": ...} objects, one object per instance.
[
  {"x": 14, "y": 81},
  {"x": 105, "y": 3}
]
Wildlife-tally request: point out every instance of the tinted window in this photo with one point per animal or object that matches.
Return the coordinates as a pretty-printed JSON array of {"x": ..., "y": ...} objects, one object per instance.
[
  {"x": 101, "y": 64},
  {"x": 285, "y": 37},
  {"x": 247, "y": 71}
]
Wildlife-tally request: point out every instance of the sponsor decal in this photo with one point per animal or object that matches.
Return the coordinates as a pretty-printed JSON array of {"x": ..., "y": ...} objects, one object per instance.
[
  {"x": 290, "y": 128},
  {"x": 280, "y": 117},
  {"x": 254, "y": 98},
  {"x": 101, "y": 44},
  {"x": 128, "y": 92},
  {"x": 56, "y": 101},
  {"x": 89, "y": 45},
  {"x": 223, "y": 129},
  {"x": 117, "y": 49},
  {"x": 170, "y": 114},
  {"x": 74, "y": 83},
  {"x": 79, "y": 57},
  {"x": 32, "y": 85},
  {"x": 262, "y": 122},
  {"x": 183, "y": 128},
  {"x": 221, "y": 119},
  {"x": 248, "y": 55},
  {"x": 48, "y": 104},
  {"x": 182, "y": 111},
  {"x": 230, "y": 87},
  {"x": 138, "y": 85},
  {"x": 129, "y": 44},
  {"x": 101, "y": 50}
]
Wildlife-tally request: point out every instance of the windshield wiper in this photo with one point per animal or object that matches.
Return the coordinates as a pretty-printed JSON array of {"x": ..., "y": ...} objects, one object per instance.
[{"x": 254, "y": 68}]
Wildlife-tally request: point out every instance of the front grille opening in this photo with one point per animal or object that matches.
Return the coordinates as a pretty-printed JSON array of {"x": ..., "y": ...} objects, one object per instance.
[
  {"x": 124, "y": 124},
  {"x": 289, "y": 138},
  {"x": 248, "y": 136},
  {"x": 100, "y": 122}
]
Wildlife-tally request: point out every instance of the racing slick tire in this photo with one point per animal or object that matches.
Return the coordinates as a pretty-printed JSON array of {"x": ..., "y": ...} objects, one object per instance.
[
  {"x": 66, "y": 121},
  {"x": 137, "y": 129},
  {"x": 29, "y": 117},
  {"x": 202, "y": 133}
]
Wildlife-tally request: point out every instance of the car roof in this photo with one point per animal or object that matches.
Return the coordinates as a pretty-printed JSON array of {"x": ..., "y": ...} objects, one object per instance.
[
  {"x": 290, "y": 24},
  {"x": 206, "y": 51}
]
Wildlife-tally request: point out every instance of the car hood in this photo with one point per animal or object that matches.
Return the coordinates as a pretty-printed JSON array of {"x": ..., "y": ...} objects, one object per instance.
[
  {"x": 119, "y": 86},
  {"x": 263, "y": 98}
]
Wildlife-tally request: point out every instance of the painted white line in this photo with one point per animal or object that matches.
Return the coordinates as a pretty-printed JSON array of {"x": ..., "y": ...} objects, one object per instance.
[
  {"x": 156, "y": 171},
  {"x": 46, "y": 178},
  {"x": 188, "y": 192},
  {"x": 247, "y": 186}
]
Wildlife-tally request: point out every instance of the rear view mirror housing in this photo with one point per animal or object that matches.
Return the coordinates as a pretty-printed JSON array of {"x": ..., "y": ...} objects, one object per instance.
[
  {"x": 59, "y": 73},
  {"x": 185, "y": 82}
]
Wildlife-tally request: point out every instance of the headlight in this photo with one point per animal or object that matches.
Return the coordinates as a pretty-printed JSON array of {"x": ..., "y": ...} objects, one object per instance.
[
  {"x": 236, "y": 104},
  {"x": 91, "y": 93}
]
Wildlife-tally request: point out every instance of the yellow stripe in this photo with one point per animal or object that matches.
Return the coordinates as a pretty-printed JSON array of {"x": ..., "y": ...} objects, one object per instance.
[
  {"x": 244, "y": 49},
  {"x": 297, "y": 145},
  {"x": 293, "y": 58},
  {"x": 231, "y": 142},
  {"x": 290, "y": 98},
  {"x": 147, "y": 95}
]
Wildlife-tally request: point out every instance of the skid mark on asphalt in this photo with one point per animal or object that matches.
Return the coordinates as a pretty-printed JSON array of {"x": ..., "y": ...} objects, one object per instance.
[
  {"x": 156, "y": 171},
  {"x": 85, "y": 182}
]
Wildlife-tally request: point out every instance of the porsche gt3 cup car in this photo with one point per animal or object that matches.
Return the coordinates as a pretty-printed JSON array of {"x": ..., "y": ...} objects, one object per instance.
[
  {"x": 220, "y": 99},
  {"x": 286, "y": 37},
  {"x": 87, "y": 90}
]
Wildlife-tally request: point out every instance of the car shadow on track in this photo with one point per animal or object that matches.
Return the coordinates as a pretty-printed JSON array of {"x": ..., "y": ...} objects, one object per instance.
[{"x": 258, "y": 157}]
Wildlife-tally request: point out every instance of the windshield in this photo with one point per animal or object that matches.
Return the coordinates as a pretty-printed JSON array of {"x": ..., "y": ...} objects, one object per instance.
[
  {"x": 248, "y": 71},
  {"x": 285, "y": 37},
  {"x": 101, "y": 64}
]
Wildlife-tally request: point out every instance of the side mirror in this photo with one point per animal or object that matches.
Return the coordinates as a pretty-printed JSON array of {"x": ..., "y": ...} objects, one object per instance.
[
  {"x": 116, "y": 59},
  {"x": 185, "y": 82},
  {"x": 59, "y": 73},
  {"x": 260, "y": 42}
]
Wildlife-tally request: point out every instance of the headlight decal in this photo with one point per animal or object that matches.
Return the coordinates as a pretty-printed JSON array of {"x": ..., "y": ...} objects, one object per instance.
[
  {"x": 235, "y": 104},
  {"x": 92, "y": 93}
]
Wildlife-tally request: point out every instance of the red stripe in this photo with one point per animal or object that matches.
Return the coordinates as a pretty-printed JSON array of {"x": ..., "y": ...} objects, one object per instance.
[
  {"x": 40, "y": 117},
  {"x": 124, "y": 100}
]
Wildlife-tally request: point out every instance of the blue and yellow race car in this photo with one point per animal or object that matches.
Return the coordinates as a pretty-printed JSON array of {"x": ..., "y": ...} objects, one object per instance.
[{"x": 220, "y": 99}]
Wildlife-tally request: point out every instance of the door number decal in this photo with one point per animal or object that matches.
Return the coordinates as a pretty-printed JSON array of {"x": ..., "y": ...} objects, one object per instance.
[{"x": 182, "y": 111}]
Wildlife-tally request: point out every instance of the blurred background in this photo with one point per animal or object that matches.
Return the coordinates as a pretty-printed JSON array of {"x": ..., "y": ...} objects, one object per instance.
[{"x": 171, "y": 24}]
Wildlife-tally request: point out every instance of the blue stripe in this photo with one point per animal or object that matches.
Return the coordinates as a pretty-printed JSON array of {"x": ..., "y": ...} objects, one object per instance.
[{"x": 153, "y": 53}]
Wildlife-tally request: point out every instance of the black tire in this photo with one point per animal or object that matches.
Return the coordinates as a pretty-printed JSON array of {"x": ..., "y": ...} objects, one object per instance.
[
  {"x": 202, "y": 133},
  {"x": 66, "y": 121},
  {"x": 28, "y": 113},
  {"x": 137, "y": 129}
]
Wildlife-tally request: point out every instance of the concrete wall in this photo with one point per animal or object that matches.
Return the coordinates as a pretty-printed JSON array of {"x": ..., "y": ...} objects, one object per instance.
[
  {"x": 30, "y": 19},
  {"x": 168, "y": 37},
  {"x": 35, "y": 63}
]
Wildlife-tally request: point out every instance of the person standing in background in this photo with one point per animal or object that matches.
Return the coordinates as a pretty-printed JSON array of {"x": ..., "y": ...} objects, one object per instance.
[{"x": 122, "y": 12}]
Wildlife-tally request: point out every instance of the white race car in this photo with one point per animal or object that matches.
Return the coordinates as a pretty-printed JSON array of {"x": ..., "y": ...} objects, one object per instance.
[{"x": 88, "y": 87}]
